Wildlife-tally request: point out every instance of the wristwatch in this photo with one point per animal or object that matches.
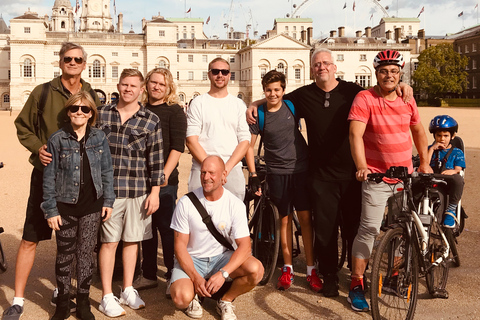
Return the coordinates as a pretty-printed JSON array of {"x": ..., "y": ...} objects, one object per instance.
[{"x": 225, "y": 274}]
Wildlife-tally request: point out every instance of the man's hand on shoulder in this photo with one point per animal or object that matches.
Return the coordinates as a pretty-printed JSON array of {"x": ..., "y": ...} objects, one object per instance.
[{"x": 405, "y": 91}]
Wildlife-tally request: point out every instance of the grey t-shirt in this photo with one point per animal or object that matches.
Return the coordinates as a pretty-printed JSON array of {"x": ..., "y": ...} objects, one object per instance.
[{"x": 285, "y": 148}]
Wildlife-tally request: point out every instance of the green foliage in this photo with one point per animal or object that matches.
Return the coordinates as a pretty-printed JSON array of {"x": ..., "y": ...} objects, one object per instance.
[{"x": 440, "y": 71}]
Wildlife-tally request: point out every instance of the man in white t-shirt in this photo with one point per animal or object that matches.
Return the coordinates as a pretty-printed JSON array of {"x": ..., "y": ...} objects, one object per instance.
[
  {"x": 216, "y": 125},
  {"x": 202, "y": 265}
]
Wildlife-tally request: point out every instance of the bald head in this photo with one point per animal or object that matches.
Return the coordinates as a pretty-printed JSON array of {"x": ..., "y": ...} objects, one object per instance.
[{"x": 213, "y": 175}]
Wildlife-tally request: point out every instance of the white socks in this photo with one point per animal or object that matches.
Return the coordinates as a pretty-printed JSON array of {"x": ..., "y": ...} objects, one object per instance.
[{"x": 18, "y": 301}]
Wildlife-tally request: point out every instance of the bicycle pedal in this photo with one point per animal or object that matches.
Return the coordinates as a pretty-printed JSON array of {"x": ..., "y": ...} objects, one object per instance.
[{"x": 442, "y": 294}]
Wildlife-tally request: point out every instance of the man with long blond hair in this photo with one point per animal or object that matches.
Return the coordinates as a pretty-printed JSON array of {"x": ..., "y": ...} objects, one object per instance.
[{"x": 161, "y": 98}]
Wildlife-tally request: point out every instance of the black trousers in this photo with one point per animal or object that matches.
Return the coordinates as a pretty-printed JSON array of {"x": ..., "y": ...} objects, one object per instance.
[{"x": 334, "y": 203}]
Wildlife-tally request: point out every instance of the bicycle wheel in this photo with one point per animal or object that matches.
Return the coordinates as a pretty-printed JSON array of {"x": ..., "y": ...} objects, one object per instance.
[
  {"x": 452, "y": 241},
  {"x": 436, "y": 277},
  {"x": 266, "y": 239},
  {"x": 394, "y": 284},
  {"x": 342, "y": 249},
  {"x": 3, "y": 261}
]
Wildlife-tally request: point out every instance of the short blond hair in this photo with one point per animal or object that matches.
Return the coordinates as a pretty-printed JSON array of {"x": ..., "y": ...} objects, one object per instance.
[{"x": 130, "y": 72}]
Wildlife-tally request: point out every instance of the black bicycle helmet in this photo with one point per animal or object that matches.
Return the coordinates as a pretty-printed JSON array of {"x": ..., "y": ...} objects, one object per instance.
[
  {"x": 388, "y": 57},
  {"x": 444, "y": 123}
]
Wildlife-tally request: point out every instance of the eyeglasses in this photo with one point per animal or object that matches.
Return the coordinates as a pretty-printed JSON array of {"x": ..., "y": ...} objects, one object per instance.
[
  {"x": 385, "y": 72},
  {"x": 326, "y": 104},
  {"x": 74, "y": 109},
  {"x": 326, "y": 64},
  {"x": 217, "y": 71},
  {"x": 78, "y": 60}
]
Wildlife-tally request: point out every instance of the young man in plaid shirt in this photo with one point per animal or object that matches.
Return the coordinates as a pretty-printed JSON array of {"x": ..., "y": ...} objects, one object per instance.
[{"x": 135, "y": 138}]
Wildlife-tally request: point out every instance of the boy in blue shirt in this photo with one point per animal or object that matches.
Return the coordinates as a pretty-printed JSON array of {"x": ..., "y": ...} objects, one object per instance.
[
  {"x": 286, "y": 157},
  {"x": 447, "y": 161}
]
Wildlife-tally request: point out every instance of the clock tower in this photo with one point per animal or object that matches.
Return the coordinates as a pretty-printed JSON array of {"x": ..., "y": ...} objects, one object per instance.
[{"x": 96, "y": 16}]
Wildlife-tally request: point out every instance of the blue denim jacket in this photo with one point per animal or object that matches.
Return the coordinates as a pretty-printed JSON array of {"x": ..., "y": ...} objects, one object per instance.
[{"x": 61, "y": 177}]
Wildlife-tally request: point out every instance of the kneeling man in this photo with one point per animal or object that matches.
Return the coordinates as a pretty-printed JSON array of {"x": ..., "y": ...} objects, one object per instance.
[{"x": 202, "y": 264}]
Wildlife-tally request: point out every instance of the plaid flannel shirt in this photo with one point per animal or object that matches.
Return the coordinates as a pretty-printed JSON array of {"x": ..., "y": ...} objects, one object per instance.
[{"x": 137, "y": 150}]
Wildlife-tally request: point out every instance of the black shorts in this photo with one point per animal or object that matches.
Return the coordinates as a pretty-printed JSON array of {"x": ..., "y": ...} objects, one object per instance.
[
  {"x": 36, "y": 226},
  {"x": 288, "y": 191}
]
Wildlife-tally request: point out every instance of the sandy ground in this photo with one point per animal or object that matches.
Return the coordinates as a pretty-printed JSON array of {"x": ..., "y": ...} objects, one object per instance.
[{"x": 263, "y": 302}]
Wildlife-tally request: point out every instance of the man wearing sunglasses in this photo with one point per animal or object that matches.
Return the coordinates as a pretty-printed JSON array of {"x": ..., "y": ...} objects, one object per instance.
[
  {"x": 335, "y": 193},
  {"x": 34, "y": 127},
  {"x": 216, "y": 126}
]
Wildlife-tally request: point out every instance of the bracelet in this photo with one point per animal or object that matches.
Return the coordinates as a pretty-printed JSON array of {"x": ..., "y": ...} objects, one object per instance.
[{"x": 251, "y": 174}]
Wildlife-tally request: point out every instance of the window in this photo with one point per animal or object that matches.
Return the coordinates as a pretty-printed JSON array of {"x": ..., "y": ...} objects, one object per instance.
[
  {"x": 6, "y": 98},
  {"x": 294, "y": 28},
  {"x": 205, "y": 75},
  {"x": 56, "y": 74},
  {"x": 363, "y": 57},
  {"x": 178, "y": 75},
  {"x": 56, "y": 53},
  {"x": 8, "y": 74},
  {"x": 161, "y": 33},
  {"x": 298, "y": 74},
  {"x": 459, "y": 49},
  {"x": 96, "y": 69},
  {"x": 466, "y": 48},
  {"x": 286, "y": 29},
  {"x": 474, "y": 82},
  {"x": 27, "y": 68},
  {"x": 281, "y": 67},
  {"x": 474, "y": 47},
  {"x": 178, "y": 58},
  {"x": 339, "y": 57},
  {"x": 184, "y": 35},
  {"x": 115, "y": 72},
  {"x": 192, "y": 35},
  {"x": 232, "y": 76},
  {"x": 190, "y": 58},
  {"x": 232, "y": 59},
  {"x": 114, "y": 54},
  {"x": 204, "y": 58},
  {"x": 363, "y": 80},
  {"x": 181, "y": 96},
  {"x": 294, "y": 35},
  {"x": 134, "y": 54},
  {"x": 415, "y": 65},
  {"x": 192, "y": 29},
  {"x": 26, "y": 30},
  {"x": 190, "y": 75},
  {"x": 340, "y": 76},
  {"x": 474, "y": 63}
]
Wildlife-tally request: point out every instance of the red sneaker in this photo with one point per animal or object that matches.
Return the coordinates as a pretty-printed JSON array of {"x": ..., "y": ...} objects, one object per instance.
[
  {"x": 286, "y": 279},
  {"x": 314, "y": 281}
]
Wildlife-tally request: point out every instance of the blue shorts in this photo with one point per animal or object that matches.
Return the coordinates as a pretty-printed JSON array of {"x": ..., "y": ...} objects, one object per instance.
[
  {"x": 206, "y": 267},
  {"x": 289, "y": 190}
]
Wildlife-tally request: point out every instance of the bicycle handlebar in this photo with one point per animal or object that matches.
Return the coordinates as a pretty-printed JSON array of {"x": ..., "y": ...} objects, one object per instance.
[{"x": 401, "y": 173}]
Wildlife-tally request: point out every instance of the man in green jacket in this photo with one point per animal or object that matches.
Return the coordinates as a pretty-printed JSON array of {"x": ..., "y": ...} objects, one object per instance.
[{"x": 34, "y": 127}]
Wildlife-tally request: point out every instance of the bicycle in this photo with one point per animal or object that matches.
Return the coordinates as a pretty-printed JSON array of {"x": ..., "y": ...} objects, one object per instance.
[
  {"x": 413, "y": 244},
  {"x": 3, "y": 260}
]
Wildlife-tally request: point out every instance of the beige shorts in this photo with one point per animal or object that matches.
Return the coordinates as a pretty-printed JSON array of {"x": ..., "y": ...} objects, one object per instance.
[{"x": 129, "y": 221}]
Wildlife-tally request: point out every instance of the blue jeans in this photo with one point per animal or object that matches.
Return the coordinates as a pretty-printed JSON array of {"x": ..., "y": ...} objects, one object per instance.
[{"x": 161, "y": 220}]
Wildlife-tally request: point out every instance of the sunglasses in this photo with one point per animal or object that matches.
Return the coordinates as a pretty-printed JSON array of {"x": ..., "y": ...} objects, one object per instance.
[
  {"x": 74, "y": 109},
  {"x": 217, "y": 71},
  {"x": 326, "y": 104},
  {"x": 78, "y": 60}
]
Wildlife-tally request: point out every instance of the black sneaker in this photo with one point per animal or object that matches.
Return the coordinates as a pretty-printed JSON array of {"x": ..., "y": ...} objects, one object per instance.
[
  {"x": 330, "y": 285},
  {"x": 14, "y": 312},
  {"x": 53, "y": 302}
]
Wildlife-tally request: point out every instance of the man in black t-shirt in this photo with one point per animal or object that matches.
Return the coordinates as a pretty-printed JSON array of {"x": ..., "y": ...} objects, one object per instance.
[{"x": 335, "y": 193}]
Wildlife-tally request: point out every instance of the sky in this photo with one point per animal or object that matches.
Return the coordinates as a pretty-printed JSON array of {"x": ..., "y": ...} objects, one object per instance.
[{"x": 439, "y": 17}]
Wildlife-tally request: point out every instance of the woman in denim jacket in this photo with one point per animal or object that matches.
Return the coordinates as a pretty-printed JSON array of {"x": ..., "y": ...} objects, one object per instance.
[{"x": 77, "y": 193}]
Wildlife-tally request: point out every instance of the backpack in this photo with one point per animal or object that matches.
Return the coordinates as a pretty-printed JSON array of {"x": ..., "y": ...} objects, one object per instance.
[
  {"x": 261, "y": 114},
  {"x": 440, "y": 165}
]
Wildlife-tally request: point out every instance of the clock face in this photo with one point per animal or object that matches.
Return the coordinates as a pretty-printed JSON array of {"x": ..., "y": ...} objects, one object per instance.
[{"x": 95, "y": 5}]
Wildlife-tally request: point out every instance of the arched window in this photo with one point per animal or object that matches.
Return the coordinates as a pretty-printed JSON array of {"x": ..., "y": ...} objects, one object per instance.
[
  {"x": 6, "y": 98},
  {"x": 281, "y": 67},
  {"x": 96, "y": 71},
  {"x": 181, "y": 96},
  {"x": 63, "y": 25},
  {"x": 27, "y": 68}
]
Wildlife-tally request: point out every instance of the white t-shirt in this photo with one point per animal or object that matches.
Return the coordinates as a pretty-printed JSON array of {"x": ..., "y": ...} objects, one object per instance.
[
  {"x": 228, "y": 216},
  {"x": 219, "y": 123}
]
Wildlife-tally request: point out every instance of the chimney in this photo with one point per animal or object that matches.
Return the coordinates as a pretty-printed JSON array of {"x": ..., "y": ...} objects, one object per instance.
[
  {"x": 358, "y": 33},
  {"x": 333, "y": 33},
  {"x": 144, "y": 23},
  {"x": 388, "y": 35},
  {"x": 398, "y": 34},
  {"x": 309, "y": 35},
  {"x": 368, "y": 32},
  {"x": 341, "y": 32},
  {"x": 303, "y": 35},
  {"x": 120, "y": 23},
  {"x": 421, "y": 34}
]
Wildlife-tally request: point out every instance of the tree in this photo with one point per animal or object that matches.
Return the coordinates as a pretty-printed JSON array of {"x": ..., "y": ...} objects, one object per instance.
[{"x": 440, "y": 71}]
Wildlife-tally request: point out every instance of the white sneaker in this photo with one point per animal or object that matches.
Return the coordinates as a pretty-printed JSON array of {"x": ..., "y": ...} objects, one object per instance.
[
  {"x": 111, "y": 307},
  {"x": 132, "y": 299},
  {"x": 194, "y": 309},
  {"x": 226, "y": 310}
]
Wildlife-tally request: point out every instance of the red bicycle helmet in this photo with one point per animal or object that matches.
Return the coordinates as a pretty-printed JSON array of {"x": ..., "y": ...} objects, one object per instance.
[{"x": 388, "y": 57}]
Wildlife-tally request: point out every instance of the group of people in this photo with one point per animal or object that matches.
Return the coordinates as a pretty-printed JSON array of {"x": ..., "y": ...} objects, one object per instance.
[{"x": 112, "y": 170}]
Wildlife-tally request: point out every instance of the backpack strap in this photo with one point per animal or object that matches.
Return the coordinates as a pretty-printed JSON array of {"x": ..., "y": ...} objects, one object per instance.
[
  {"x": 208, "y": 221},
  {"x": 444, "y": 160},
  {"x": 261, "y": 114},
  {"x": 41, "y": 105}
]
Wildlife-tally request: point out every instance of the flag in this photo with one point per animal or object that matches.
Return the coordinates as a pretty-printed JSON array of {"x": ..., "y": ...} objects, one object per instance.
[
  {"x": 190, "y": 9},
  {"x": 460, "y": 14},
  {"x": 476, "y": 6},
  {"x": 421, "y": 11},
  {"x": 353, "y": 5},
  {"x": 371, "y": 17},
  {"x": 114, "y": 8},
  {"x": 345, "y": 5},
  {"x": 208, "y": 19},
  {"x": 77, "y": 7}
]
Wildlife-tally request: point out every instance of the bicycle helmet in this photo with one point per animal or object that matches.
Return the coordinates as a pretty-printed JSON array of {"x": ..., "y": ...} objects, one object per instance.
[
  {"x": 388, "y": 57},
  {"x": 444, "y": 123}
]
